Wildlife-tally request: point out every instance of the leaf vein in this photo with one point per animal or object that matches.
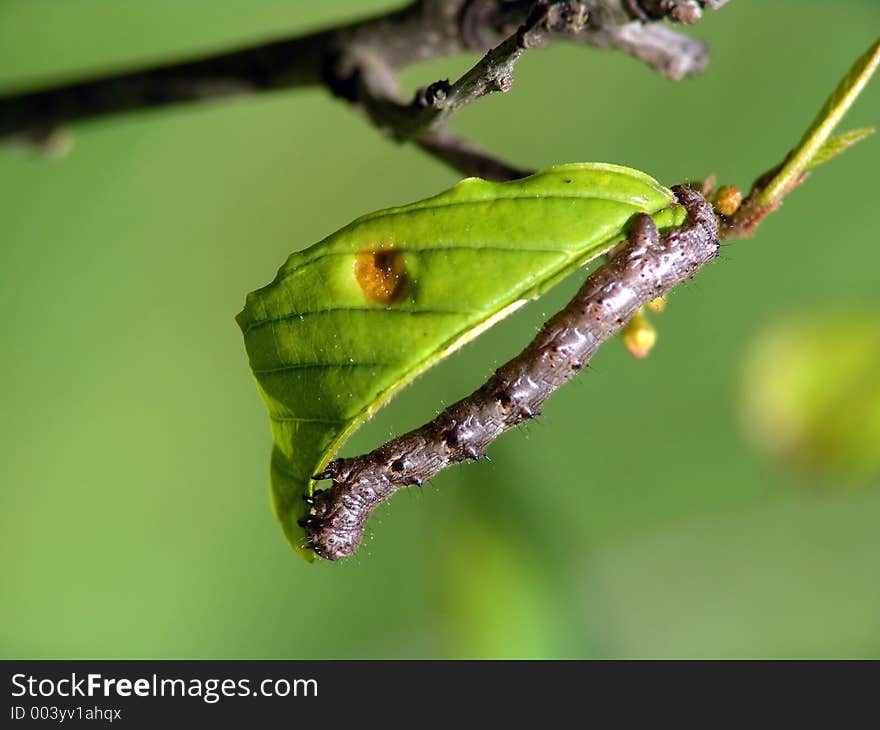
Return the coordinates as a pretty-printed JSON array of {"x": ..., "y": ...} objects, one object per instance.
[
  {"x": 332, "y": 310},
  {"x": 286, "y": 367}
]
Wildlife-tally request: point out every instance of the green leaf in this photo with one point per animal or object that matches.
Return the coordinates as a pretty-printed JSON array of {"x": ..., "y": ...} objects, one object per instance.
[
  {"x": 349, "y": 321},
  {"x": 839, "y": 144}
]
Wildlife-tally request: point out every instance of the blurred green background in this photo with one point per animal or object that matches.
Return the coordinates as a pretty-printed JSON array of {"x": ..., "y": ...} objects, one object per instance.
[{"x": 637, "y": 518}]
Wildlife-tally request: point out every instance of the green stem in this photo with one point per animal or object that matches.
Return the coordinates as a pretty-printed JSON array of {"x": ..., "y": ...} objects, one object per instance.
[{"x": 819, "y": 134}]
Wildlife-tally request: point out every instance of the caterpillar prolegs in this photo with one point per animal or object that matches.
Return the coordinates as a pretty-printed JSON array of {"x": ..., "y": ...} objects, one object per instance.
[{"x": 644, "y": 267}]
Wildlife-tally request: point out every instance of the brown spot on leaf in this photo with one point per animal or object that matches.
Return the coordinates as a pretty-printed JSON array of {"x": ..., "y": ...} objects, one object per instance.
[{"x": 381, "y": 274}]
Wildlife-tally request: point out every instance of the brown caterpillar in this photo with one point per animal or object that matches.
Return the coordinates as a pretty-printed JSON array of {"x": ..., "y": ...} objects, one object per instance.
[{"x": 640, "y": 270}]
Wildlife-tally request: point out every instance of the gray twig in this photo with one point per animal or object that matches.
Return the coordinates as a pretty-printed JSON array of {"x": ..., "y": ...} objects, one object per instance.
[
  {"x": 644, "y": 268},
  {"x": 359, "y": 62},
  {"x": 460, "y": 154}
]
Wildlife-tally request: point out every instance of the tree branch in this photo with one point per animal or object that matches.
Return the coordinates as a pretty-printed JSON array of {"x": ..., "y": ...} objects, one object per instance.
[
  {"x": 640, "y": 270},
  {"x": 359, "y": 62},
  {"x": 462, "y": 155},
  {"x": 439, "y": 102}
]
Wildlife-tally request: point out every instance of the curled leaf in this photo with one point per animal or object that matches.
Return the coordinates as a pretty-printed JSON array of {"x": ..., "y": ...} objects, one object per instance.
[{"x": 349, "y": 321}]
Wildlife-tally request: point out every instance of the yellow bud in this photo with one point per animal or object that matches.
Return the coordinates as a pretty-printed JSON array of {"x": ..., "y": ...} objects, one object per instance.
[
  {"x": 657, "y": 305},
  {"x": 727, "y": 200},
  {"x": 639, "y": 335}
]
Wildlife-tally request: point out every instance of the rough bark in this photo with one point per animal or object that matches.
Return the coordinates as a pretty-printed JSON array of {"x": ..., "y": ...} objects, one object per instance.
[{"x": 359, "y": 62}]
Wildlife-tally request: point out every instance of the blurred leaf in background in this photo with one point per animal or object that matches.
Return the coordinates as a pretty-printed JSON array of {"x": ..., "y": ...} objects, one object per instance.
[
  {"x": 634, "y": 519},
  {"x": 812, "y": 393}
]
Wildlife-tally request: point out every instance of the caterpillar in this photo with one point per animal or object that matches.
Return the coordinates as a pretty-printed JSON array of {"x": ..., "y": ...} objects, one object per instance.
[
  {"x": 640, "y": 270},
  {"x": 351, "y": 320}
]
